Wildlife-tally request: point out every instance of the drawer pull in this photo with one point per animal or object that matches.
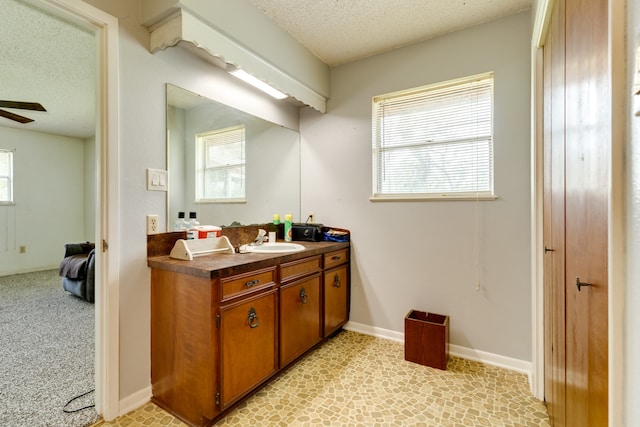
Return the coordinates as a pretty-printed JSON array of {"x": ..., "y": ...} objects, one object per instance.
[
  {"x": 303, "y": 296},
  {"x": 253, "y": 318},
  {"x": 336, "y": 281},
  {"x": 336, "y": 258},
  {"x": 251, "y": 283}
]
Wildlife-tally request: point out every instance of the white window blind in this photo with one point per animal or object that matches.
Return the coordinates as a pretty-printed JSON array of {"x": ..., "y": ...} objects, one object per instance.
[
  {"x": 220, "y": 165},
  {"x": 435, "y": 141},
  {"x": 6, "y": 177}
]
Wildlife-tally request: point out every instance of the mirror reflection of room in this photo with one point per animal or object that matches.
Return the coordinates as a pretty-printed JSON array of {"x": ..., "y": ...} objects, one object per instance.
[{"x": 228, "y": 166}]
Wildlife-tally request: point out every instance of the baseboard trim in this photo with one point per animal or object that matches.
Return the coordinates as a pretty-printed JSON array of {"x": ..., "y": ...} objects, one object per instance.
[
  {"x": 492, "y": 359},
  {"x": 28, "y": 270},
  {"x": 134, "y": 401}
]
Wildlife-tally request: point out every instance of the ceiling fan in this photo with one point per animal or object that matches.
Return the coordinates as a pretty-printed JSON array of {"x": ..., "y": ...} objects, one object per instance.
[{"x": 33, "y": 106}]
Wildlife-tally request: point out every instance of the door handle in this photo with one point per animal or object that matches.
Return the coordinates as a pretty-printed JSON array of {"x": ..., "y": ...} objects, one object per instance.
[
  {"x": 546, "y": 249},
  {"x": 336, "y": 281},
  {"x": 253, "y": 318},
  {"x": 303, "y": 296},
  {"x": 580, "y": 284}
]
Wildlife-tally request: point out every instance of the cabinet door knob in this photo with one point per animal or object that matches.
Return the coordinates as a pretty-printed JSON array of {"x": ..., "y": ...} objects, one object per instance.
[
  {"x": 303, "y": 296},
  {"x": 336, "y": 281},
  {"x": 253, "y": 318}
]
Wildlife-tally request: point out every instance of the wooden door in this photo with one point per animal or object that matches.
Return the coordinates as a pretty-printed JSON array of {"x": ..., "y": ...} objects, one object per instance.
[
  {"x": 577, "y": 157},
  {"x": 299, "y": 318},
  {"x": 554, "y": 216},
  {"x": 336, "y": 299},
  {"x": 588, "y": 154},
  {"x": 248, "y": 345}
]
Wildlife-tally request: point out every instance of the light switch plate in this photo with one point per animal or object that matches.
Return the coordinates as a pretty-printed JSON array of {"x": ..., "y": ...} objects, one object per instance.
[{"x": 156, "y": 180}]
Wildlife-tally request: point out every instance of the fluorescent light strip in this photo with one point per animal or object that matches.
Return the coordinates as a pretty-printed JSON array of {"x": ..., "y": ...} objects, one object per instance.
[{"x": 253, "y": 81}]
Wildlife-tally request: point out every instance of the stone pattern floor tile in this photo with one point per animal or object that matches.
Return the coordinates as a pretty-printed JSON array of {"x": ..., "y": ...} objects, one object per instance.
[{"x": 359, "y": 380}]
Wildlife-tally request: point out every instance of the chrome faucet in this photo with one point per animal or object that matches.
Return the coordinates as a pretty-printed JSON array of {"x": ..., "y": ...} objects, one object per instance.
[{"x": 260, "y": 238}]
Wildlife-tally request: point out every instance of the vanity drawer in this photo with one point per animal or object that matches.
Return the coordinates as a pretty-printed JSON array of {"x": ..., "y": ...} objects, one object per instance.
[
  {"x": 235, "y": 286},
  {"x": 295, "y": 269},
  {"x": 332, "y": 259}
]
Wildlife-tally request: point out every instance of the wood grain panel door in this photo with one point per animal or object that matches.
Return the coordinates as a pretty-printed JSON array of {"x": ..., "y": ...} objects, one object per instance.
[
  {"x": 554, "y": 216},
  {"x": 588, "y": 154},
  {"x": 248, "y": 345},
  {"x": 577, "y": 144},
  {"x": 336, "y": 299},
  {"x": 300, "y": 327}
]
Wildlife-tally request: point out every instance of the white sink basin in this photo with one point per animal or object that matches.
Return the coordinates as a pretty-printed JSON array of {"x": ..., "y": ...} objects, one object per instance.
[{"x": 275, "y": 248}]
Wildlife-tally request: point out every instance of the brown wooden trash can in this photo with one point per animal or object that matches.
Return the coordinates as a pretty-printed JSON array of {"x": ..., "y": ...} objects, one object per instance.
[{"x": 426, "y": 339}]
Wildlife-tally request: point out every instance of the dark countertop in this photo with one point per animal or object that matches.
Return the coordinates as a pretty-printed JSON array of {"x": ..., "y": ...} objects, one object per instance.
[{"x": 222, "y": 265}]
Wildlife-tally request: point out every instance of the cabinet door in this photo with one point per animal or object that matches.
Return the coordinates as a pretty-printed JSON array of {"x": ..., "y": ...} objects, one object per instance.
[
  {"x": 248, "y": 345},
  {"x": 336, "y": 299},
  {"x": 299, "y": 318}
]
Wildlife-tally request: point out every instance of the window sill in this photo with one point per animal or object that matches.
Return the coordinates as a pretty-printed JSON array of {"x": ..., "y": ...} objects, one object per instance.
[
  {"x": 219, "y": 201},
  {"x": 432, "y": 197}
]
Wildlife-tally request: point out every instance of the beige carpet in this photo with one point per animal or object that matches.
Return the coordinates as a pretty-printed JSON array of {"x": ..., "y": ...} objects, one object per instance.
[
  {"x": 46, "y": 352},
  {"x": 358, "y": 380}
]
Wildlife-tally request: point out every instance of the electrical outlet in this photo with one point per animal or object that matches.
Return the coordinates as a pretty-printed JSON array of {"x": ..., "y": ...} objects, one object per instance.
[
  {"x": 22, "y": 249},
  {"x": 311, "y": 218},
  {"x": 152, "y": 224}
]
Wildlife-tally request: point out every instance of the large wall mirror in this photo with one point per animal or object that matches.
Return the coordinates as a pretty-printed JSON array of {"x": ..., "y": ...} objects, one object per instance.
[{"x": 272, "y": 163}]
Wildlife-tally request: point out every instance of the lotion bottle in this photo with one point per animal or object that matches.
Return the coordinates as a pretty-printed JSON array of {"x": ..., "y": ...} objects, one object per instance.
[
  {"x": 180, "y": 224},
  {"x": 287, "y": 227},
  {"x": 192, "y": 232}
]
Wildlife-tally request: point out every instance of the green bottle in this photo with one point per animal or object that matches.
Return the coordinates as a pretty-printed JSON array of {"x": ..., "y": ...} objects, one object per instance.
[{"x": 287, "y": 227}]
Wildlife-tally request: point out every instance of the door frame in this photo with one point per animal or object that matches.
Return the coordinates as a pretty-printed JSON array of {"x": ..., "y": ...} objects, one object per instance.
[
  {"x": 616, "y": 243},
  {"x": 107, "y": 308}
]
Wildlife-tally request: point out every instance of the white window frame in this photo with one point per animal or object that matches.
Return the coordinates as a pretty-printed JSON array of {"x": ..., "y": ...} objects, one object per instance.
[
  {"x": 7, "y": 177},
  {"x": 230, "y": 135},
  {"x": 418, "y": 143}
]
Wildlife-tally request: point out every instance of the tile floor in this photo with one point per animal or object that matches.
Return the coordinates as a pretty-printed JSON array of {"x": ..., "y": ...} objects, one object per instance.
[{"x": 359, "y": 380}]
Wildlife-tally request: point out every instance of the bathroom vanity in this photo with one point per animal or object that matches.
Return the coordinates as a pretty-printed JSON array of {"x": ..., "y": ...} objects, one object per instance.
[{"x": 222, "y": 325}]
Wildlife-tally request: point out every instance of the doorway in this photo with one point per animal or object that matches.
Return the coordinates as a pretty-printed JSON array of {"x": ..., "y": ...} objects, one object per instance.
[{"x": 105, "y": 28}]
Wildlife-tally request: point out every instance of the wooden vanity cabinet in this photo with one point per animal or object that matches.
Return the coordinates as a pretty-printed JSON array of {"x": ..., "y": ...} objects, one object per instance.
[
  {"x": 216, "y": 338},
  {"x": 335, "y": 291}
]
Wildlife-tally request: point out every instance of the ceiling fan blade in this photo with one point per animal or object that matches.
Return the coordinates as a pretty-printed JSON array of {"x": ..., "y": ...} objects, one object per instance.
[
  {"x": 15, "y": 117},
  {"x": 34, "y": 106}
]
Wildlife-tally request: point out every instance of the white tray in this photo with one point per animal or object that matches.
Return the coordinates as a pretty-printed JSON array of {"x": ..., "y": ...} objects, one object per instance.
[{"x": 188, "y": 249}]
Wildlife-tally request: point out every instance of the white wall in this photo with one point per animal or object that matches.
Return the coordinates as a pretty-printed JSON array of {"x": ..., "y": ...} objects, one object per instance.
[
  {"x": 420, "y": 255},
  {"x": 49, "y": 194},
  {"x": 142, "y": 118},
  {"x": 406, "y": 255},
  {"x": 90, "y": 189}
]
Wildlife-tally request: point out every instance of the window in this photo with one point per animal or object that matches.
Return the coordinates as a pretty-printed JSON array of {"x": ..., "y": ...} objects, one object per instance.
[
  {"x": 220, "y": 165},
  {"x": 435, "y": 141},
  {"x": 6, "y": 177}
]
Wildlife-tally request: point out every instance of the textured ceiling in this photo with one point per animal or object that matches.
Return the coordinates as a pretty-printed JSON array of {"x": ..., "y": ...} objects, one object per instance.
[
  {"x": 340, "y": 31},
  {"x": 50, "y": 61}
]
